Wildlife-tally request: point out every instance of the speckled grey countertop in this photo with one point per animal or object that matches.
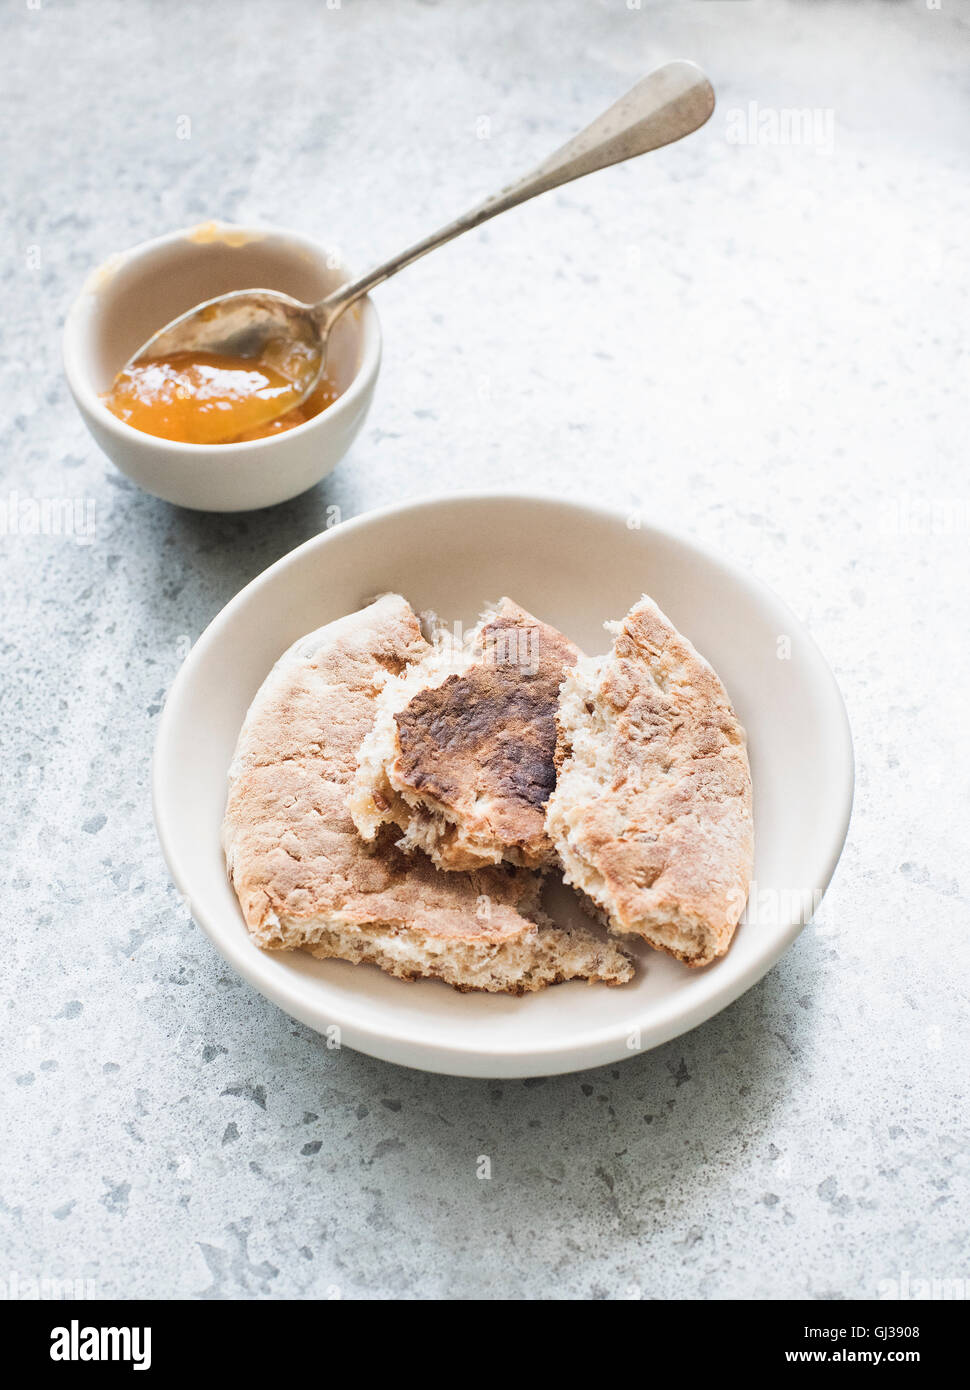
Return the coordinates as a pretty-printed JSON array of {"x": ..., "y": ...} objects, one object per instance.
[{"x": 758, "y": 341}]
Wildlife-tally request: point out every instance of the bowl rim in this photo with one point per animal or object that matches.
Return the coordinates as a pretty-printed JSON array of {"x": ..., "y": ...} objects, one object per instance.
[
  {"x": 90, "y": 401},
  {"x": 594, "y": 1046}
]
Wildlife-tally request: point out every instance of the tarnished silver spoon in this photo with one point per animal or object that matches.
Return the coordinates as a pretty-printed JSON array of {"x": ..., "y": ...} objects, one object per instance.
[{"x": 664, "y": 106}]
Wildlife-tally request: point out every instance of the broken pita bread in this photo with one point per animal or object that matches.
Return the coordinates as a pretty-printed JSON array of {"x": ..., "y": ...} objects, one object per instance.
[{"x": 305, "y": 879}]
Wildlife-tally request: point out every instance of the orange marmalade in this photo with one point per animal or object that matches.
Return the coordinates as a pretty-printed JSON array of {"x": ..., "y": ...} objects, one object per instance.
[{"x": 208, "y": 398}]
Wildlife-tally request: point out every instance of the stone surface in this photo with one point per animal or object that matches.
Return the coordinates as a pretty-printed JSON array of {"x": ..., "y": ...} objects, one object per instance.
[{"x": 759, "y": 342}]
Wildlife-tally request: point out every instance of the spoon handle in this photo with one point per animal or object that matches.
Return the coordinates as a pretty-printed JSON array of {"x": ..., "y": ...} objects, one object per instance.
[{"x": 664, "y": 106}]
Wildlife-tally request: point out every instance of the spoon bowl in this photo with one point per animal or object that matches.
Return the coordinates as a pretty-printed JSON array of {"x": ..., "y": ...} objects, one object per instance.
[{"x": 262, "y": 324}]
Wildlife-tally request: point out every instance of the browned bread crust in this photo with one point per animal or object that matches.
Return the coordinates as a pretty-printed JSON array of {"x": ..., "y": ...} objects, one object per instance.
[{"x": 467, "y": 765}]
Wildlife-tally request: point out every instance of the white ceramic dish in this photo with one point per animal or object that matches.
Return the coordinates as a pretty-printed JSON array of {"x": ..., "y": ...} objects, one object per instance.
[
  {"x": 139, "y": 291},
  {"x": 574, "y": 566}
]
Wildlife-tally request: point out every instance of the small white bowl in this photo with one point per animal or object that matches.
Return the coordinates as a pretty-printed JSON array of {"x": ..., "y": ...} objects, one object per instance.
[
  {"x": 575, "y": 566},
  {"x": 138, "y": 291}
]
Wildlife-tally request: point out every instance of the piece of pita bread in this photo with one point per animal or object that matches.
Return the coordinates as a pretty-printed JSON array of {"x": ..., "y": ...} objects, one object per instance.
[
  {"x": 305, "y": 879},
  {"x": 461, "y": 755},
  {"x": 651, "y": 815}
]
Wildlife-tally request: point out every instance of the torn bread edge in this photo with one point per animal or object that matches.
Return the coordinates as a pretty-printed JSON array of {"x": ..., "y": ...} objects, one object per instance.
[{"x": 691, "y": 916}]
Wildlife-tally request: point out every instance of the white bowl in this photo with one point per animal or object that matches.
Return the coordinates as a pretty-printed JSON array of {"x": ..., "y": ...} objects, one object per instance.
[
  {"x": 137, "y": 292},
  {"x": 574, "y": 566}
]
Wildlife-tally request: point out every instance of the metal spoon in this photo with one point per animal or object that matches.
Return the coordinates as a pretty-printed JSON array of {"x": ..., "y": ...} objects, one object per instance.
[{"x": 668, "y": 104}]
